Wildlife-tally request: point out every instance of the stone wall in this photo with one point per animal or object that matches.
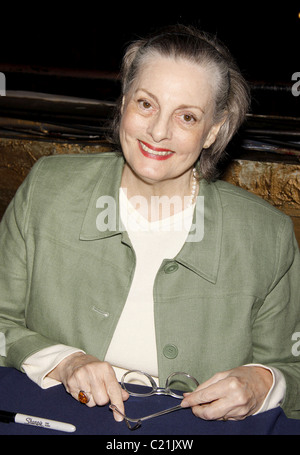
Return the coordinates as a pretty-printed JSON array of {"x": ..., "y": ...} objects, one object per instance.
[{"x": 276, "y": 182}]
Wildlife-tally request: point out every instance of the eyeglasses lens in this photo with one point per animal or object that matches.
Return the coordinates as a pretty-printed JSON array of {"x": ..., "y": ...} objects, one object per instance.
[
  {"x": 180, "y": 383},
  {"x": 135, "y": 379}
]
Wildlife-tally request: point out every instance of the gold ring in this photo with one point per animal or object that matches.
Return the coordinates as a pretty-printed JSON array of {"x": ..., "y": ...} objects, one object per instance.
[{"x": 83, "y": 397}]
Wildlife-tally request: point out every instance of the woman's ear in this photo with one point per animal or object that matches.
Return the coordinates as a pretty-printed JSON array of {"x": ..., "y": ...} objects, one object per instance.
[
  {"x": 122, "y": 105},
  {"x": 213, "y": 133}
]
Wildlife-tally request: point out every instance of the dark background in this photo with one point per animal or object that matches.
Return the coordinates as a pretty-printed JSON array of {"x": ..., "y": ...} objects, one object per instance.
[
  {"x": 91, "y": 37},
  {"x": 75, "y": 49}
]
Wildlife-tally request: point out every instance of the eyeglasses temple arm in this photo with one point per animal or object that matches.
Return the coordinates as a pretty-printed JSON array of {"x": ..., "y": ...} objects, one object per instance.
[{"x": 160, "y": 413}]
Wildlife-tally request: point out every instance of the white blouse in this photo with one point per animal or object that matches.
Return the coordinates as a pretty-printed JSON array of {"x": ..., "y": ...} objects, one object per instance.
[{"x": 134, "y": 345}]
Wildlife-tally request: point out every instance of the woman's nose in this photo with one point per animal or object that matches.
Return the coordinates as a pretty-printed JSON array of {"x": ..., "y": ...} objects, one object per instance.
[{"x": 159, "y": 127}]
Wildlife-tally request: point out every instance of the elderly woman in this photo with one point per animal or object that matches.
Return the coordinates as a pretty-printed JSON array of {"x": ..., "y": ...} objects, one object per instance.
[{"x": 144, "y": 260}]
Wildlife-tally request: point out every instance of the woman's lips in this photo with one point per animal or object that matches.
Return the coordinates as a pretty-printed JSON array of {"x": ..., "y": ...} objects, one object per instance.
[{"x": 154, "y": 152}]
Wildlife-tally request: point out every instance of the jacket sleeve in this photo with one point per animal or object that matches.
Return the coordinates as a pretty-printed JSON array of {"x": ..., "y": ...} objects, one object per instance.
[
  {"x": 17, "y": 341},
  {"x": 278, "y": 320}
]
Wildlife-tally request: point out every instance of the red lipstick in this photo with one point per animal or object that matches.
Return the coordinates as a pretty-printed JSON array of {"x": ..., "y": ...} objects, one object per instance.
[{"x": 154, "y": 153}]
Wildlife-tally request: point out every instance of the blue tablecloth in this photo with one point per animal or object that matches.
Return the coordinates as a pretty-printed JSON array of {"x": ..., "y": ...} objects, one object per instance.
[{"x": 20, "y": 394}]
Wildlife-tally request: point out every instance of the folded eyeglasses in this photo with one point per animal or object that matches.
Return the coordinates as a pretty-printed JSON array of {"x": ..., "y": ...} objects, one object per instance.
[{"x": 176, "y": 384}]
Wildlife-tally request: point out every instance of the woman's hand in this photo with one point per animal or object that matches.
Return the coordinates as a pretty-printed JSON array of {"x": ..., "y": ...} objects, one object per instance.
[
  {"x": 230, "y": 395},
  {"x": 84, "y": 372}
]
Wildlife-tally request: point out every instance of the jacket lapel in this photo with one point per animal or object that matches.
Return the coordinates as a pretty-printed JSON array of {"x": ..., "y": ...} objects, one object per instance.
[
  {"x": 102, "y": 216},
  {"x": 203, "y": 256}
]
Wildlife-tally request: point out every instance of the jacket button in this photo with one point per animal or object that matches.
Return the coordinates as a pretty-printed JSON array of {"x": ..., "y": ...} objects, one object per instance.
[
  {"x": 170, "y": 351},
  {"x": 171, "y": 267}
]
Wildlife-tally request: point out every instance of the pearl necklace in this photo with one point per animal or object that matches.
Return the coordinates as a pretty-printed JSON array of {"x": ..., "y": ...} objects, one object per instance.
[{"x": 194, "y": 188}]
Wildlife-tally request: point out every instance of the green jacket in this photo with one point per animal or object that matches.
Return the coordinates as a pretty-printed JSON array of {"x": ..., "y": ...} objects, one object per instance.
[{"x": 229, "y": 299}]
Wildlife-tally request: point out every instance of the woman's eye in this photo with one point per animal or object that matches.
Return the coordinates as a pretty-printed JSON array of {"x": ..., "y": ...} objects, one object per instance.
[
  {"x": 188, "y": 118},
  {"x": 144, "y": 104}
]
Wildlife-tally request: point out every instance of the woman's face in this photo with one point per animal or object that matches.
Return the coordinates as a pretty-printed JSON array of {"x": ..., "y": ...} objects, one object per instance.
[{"x": 167, "y": 118}]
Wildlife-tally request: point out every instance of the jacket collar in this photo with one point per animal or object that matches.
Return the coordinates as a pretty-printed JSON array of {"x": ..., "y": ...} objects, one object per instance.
[
  {"x": 202, "y": 256},
  {"x": 102, "y": 216}
]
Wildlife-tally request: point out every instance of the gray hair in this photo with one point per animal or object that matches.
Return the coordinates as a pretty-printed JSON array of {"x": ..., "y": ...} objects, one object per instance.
[{"x": 232, "y": 96}]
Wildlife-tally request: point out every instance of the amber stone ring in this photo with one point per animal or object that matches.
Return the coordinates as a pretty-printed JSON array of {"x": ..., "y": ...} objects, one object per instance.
[{"x": 83, "y": 397}]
